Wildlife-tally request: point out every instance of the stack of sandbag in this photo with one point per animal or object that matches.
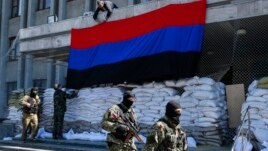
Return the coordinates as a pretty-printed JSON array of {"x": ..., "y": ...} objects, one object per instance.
[
  {"x": 203, "y": 103},
  {"x": 204, "y": 114},
  {"x": 14, "y": 98},
  {"x": 14, "y": 109},
  {"x": 263, "y": 83},
  {"x": 151, "y": 99},
  {"x": 265, "y": 145},
  {"x": 15, "y": 117},
  {"x": 14, "y": 105},
  {"x": 46, "y": 117},
  {"x": 256, "y": 106},
  {"x": 84, "y": 112}
]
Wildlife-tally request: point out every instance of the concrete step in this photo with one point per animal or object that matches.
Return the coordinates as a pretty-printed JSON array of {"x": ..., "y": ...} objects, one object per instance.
[
  {"x": 61, "y": 145},
  {"x": 53, "y": 145},
  {"x": 77, "y": 145}
]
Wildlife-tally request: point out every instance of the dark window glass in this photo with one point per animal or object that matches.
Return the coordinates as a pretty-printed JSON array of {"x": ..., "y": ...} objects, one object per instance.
[
  {"x": 15, "y": 2},
  {"x": 137, "y": 1},
  {"x": 14, "y": 8},
  {"x": 43, "y": 4},
  {"x": 11, "y": 40},
  {"x": 40, "y": 4},
  {"x": 40, "y": 83},
  {"x": 48, "y": 3},
  {"x": 10, "y": 87}
]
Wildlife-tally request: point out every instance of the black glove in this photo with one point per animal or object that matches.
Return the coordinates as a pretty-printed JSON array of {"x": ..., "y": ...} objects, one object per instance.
[{"x": 122, "y": 130}]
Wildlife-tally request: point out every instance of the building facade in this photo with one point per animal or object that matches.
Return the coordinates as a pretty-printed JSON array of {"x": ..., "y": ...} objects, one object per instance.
[{"x": 35, "y": 36}]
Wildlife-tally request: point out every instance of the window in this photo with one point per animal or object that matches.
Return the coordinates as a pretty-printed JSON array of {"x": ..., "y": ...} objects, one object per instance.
[
  {"x": 40, "y": 83},
  {"x": 137, "y": 1},
  {"x": 14, "y": 8},
  {"x": 43, "y": 4},
  {"x": 11, "y": 40},
  {"x": 13, "y": 55},
  {"x": 10, "y": 87}
]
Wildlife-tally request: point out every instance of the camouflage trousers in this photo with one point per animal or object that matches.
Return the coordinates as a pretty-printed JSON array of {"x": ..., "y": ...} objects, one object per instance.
[{"x": 130, "y": 146}]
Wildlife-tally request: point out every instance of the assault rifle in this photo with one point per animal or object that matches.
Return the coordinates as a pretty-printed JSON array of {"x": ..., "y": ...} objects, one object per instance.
[{"x": 133, "y": 130}]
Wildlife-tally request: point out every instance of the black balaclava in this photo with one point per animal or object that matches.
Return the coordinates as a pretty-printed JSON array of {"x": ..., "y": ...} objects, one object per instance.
[
  {"x": 171, "y": 113},
  {"x": 128, "y": 103},
  {"x": 33, "y": 92}
]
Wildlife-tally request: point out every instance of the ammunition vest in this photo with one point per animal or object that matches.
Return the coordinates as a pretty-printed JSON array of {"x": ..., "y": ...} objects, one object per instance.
[{"x": 173, "y": 139}]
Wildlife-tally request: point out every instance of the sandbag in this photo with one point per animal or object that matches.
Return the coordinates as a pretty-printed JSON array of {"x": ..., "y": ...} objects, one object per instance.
[{"x": 263, "y": 80}]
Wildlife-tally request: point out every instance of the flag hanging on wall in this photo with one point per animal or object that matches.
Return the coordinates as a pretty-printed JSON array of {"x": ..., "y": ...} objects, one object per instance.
[{"x": 158, "y": 45}]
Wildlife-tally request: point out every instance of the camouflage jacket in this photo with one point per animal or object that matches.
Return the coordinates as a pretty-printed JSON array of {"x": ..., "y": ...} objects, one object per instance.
[
  {"x": 60, "y": 101},
  {"x": 165, "y": 136},
  {"x": 111, "y": 119},
  {"x": 34, "y": 102}
]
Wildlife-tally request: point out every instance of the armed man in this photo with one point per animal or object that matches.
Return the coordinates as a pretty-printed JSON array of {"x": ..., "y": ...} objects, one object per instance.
[
  {"x": 121, "y": 121},
  {"x": 167, "y": 134},
  {"x": 30, "y": 109}
]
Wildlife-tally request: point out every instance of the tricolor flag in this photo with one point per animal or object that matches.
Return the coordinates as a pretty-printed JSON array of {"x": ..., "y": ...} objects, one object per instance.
[{"x": 158, "y": 45}]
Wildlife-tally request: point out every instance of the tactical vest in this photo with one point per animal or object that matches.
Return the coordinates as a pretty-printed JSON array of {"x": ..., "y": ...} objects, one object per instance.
[
  {"x": 130, "y": 117},
  {"x": 33, "y": 109},
  {"x": 173, "y": 139}
]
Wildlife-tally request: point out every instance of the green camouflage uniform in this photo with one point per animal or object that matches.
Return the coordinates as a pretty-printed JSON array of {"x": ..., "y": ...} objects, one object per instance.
[
  {"x": 111, "y": 119},
  {"x": 59, "y": 111},
  {"x": 166, "y": 136}
]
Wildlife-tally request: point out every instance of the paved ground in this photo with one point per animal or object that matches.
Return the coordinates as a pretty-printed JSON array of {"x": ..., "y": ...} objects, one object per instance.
[
  {"x": 211, "y": 148},
  {"x": 76, "y": 145}
]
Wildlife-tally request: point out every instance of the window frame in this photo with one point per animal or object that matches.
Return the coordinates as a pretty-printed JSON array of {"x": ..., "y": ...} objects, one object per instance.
[
  {"x": 136, "y": 2},
  {"x": 40, "y": 83},
  {"x": 44, "y": 4},
  {"x": 11, "y": 86},
  {"x": 15, "y": 8}
]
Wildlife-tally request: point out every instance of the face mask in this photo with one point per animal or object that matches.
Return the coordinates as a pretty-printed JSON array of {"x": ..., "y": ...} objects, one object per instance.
[
  {"x": 128, "y": 103},
  {"x": 172, "y": 111},
  {"x": 33, "y": 95},
  {"x": 176, "y": 120}
]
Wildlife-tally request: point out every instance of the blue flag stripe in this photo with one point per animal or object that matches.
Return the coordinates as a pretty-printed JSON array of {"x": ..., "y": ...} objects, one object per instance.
[{"x": 179, "y": 39}]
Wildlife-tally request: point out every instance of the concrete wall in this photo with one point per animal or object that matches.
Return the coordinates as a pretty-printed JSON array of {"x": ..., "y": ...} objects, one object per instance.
[
  {"x": 39, "y": 69},
  {"x": 12, "y": 70},
  {"x": 121, "y": 3},
  {"x": 42, "y": 17},
  {"x": 75, "y": 8},
  {"x": 214, "y": 14},
  {"x": 6, "y": 130},
  {"x": 216, "y": 1},
  {"x": 14, "y": 26}
]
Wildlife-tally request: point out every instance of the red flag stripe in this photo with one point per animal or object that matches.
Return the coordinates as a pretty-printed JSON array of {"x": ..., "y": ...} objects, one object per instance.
[{"x": 172, "y": 15}]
